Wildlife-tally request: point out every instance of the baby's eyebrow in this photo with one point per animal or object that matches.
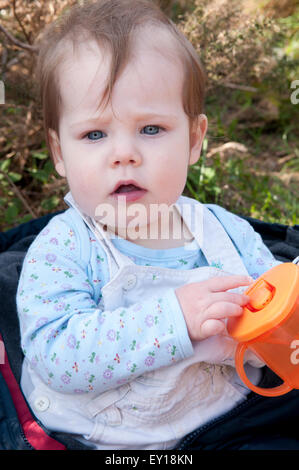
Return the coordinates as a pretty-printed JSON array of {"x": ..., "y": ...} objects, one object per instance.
[
  {"x": 88, "y": 122},
  {"x": 139, "y": 117}
]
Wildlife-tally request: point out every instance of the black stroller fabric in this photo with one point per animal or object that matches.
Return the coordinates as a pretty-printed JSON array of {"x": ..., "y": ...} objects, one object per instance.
[{"x": 283, "y": 241}]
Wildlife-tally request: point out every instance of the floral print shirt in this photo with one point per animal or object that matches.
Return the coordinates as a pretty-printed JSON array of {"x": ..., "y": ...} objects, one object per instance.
[{"x": 71, "y": 342}]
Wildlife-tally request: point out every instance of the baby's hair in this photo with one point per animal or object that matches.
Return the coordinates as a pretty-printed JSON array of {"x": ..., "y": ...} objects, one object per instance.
[{"x": 113, "y": 24}]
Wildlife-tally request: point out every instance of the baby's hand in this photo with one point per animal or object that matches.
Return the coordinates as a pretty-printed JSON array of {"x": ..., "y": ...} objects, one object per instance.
[{"x": 206, "y": 304}]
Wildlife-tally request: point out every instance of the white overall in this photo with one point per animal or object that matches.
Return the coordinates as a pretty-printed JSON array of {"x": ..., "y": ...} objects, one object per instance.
[{"x": 157, "y": 409}]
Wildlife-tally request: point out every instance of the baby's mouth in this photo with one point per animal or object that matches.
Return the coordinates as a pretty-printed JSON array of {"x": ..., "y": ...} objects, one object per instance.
[{"x": 127, "y": 188}]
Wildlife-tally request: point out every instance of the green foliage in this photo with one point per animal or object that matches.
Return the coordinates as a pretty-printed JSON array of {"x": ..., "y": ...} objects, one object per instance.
[
  {"x": 238, "y": 185},
  {"x": 251, "y": 59},
  {"x": 250, "y": 71}
]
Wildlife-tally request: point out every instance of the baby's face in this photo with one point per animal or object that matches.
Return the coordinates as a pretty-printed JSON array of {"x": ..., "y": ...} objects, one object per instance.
[{"x": 134, "y": 151}]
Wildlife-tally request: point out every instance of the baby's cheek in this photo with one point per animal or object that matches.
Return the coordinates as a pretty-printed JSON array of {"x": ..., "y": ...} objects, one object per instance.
[
  {"x": 86, "y": 191},
  {"x": 172, "y": 181}
]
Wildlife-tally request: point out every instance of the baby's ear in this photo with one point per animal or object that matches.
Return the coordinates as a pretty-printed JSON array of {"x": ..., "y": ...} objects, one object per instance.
[
  {"x": 197, "y": 134},
  {"x": 56, "y": 152}
]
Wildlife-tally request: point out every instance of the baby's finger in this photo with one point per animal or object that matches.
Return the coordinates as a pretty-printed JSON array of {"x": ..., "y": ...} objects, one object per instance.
[
  {"x": 232, "y": 297},
  {"x": 223, "y": 283},
  {"x": 211, "y": 328},
  {"x": 220, "y": 310}
]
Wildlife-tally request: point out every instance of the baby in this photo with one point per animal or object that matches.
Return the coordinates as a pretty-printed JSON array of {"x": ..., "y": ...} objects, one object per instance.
[{"x": 123, "y": 298}]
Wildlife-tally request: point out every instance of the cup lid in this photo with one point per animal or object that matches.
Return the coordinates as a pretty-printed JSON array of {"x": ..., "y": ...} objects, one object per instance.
[{"x": 273, "y": 296}]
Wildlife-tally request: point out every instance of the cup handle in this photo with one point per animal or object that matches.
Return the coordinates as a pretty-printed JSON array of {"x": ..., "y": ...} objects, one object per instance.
[{"x": 266, "y": 392}]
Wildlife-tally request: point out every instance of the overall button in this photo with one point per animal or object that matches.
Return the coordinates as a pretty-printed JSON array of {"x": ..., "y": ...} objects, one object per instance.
[
  {"x": 42, "y": 403},
  {"x": 129, "y": 281}
]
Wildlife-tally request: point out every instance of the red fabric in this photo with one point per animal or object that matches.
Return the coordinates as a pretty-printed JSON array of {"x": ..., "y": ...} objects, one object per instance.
[{"x": 34, "y": 434}]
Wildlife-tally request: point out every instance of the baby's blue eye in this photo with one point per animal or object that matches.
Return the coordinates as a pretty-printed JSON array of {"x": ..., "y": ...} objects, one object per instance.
[
  {"x": 151, "y": 130},
  {"x": 95, "y": 135}
]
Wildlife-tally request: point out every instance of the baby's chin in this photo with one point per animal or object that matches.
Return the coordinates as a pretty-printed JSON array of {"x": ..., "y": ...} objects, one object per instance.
[{"x": 130, "y": 231}]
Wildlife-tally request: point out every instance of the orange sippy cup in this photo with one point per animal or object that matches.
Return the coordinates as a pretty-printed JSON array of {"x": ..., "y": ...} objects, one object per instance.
[{"x": 269, "y": 326}]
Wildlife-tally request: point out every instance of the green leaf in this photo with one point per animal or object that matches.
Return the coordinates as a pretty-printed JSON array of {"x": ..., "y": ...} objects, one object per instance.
[
  {"x": 11, "y": 213},
  {"x": 3, "y": 201},
  {"x": 14, "y": 176},
  {"x": 50, "y": 203},
  {"x": 40, "y": 155},
  {"x": 11, "y": 111},
  {"x": 39, "y": 175},
  {"x": 24, "y": 219},
  {"x": 5, "y": 165}
]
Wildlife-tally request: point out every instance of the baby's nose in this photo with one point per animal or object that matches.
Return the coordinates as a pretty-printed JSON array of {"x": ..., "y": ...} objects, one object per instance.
[{"x": 125, "y": 155}]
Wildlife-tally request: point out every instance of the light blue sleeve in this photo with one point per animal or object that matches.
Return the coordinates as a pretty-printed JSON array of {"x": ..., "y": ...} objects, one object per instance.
[
  {"x": 71, "y": 343},
  {"x": 256, "y": 256}
]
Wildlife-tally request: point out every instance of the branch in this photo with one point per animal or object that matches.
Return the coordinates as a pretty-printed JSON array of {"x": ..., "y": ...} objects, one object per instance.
[
  {"x": 17, "y": 42},
  {"x": 19, "y": 21},
  {"x": 18, "y": 193},
  {"x": 238, "y": 87},
  {"x": 3, "y": 62}
]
